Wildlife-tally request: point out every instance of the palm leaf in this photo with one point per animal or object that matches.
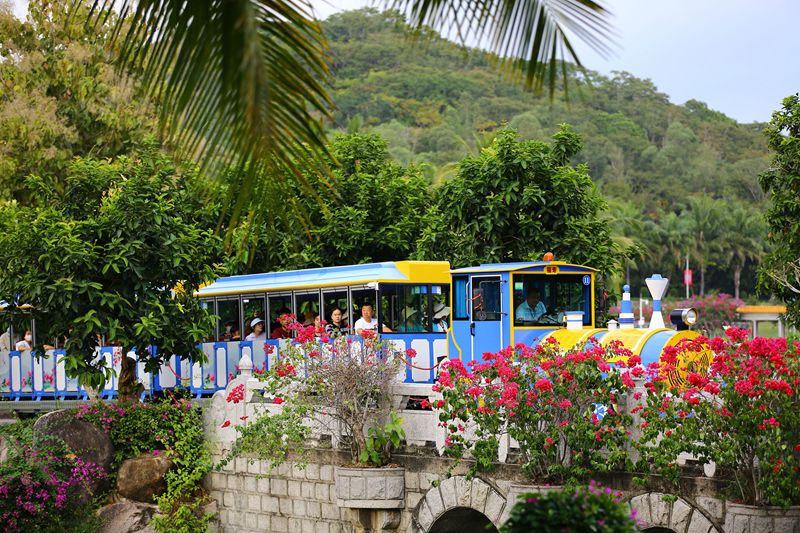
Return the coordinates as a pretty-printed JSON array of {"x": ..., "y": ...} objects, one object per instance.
[
  {"x": 530, "y": 37},
  {"x": 238, "y": 82}
]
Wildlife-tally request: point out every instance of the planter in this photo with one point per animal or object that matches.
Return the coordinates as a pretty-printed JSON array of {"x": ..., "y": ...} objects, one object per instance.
[
  {"x": 751, "y": 518},
  {"x": 371, "y": 488}
]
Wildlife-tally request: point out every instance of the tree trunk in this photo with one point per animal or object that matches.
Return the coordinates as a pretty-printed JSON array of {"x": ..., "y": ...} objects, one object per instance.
[
  {"x": 737, "y": 277},
  {"x": 128, "y": 389},
  {"x": 702, "y": 281}
]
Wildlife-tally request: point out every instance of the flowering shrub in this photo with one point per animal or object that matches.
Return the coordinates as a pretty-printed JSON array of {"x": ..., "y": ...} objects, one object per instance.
[
  {"x": 42, "y": 489},
  {"x": 559, "y": 406},
  {"x": 744, "y": 415},
  {"x": 336, "y": 380},
  {"x": 591, "y": 508},
  {"x": 171, "y": 426}
]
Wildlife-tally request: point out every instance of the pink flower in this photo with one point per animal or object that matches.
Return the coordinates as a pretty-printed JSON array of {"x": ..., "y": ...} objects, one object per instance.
[
  {"x": 543, "y": 385},
  {"x": 155, "y": 453},
  {"x": 565, "y": 404}
]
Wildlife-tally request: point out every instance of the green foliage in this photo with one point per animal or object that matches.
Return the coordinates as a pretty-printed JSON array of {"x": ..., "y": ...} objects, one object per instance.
[
  {"x": 781, "y": 271},
  {"x": 590, "y": 509},
  {"x": 514, "y": 202},
  {"x": 182, "y": 505},
  {"x": 172, "y": 427},
  {"x": 60, "y": 97},
  {"x": 381, "y": 440},
  {"x": 117, "y": 254}
]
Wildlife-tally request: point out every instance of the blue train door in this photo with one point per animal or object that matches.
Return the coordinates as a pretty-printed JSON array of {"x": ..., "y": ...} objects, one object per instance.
[{"x": 485, "y": 315}]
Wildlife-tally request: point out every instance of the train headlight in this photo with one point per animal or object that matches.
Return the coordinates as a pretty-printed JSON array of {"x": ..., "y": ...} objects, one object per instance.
[{"x": 683, "y": 319}]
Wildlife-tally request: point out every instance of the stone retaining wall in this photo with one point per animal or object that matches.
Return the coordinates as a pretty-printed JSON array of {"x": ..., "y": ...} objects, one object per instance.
[{"x": 292, "y": 499}]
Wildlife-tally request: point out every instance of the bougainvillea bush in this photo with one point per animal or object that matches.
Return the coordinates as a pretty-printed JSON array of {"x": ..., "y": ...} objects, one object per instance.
[
  {"x": 170, "y": 426},
  {"x": 44, "y": 488},
  {"x": 589, "y": 509},
  {"x": 332, "y": 380},
  {"x": 744, "y": 415},
  {"x": 559, "y": 406}
]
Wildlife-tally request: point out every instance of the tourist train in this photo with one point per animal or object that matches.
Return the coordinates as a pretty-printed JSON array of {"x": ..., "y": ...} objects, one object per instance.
[{"x": 423, "y": 305}]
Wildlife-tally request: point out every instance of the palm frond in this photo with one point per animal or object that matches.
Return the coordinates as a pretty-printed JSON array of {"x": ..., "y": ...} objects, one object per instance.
[
  {"x": 530, "y": 37},
  {"x": 238, "y": 82}
]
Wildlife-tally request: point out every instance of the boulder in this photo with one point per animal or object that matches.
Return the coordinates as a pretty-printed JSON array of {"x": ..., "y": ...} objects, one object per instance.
[
  {"x": 142, "y": 478},
  {"x": 82, "y": 438},
  {"x": 127, "y": 517}
]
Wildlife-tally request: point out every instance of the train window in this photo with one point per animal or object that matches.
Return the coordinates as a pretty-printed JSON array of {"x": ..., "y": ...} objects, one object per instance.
[
  {"x": 460, "y": 298},
  {"x": 331, "y": 299},
  {"x": 252, "y": 308},
  {"x": 211, "y": 307},
  {"x": 229, "y": 329},
  {"x": 358, "y": 298},
  {"x": 306, "y": 306},
  {"x": 440, "y": 308},
  {"x": 279, "y": 304},
  {"x": 405, "y": 307},
  {"x": 486, "y": 298},
  {"x": 541, "y": 300}
]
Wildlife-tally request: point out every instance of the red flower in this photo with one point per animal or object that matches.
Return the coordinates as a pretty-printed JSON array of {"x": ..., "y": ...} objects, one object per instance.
[
  {"x": 549, "y": 441},
  {"x": 278, "y": 400},
  {"x": 244, "y": 417},
  {"x": 226, "y": 423},
  {"x": 236, "y": 395},
  {"x": 543, "y": 385}
]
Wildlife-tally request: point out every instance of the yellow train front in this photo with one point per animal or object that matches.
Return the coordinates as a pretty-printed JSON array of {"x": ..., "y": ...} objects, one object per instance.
[{"x": 496, "y": 305}]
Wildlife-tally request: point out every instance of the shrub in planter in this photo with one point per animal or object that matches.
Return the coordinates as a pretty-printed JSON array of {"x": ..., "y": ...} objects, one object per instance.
[
  {"x": 344, "y": 381},
  {"x": 559, "y": 406},
  {"x": 588, "y": 509},
  {"x": 43, "y": 489},
  {"x": 744, "y": 415}
]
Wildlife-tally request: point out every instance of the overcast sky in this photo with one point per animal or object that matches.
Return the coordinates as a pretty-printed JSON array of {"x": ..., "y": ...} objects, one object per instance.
[{"x": 738, "y": 56}]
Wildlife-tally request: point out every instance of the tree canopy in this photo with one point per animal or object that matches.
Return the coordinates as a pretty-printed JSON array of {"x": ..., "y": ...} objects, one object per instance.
[{"x": 117, "y": 254}]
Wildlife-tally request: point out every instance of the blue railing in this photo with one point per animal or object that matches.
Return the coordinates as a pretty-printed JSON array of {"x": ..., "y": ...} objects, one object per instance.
[{"x": 26, "y": 376}]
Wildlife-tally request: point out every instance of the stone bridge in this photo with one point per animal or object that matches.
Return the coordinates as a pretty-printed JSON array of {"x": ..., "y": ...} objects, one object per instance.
[
  {"x": 427, "y": 493},
  {"x": 294, "y": 499}
]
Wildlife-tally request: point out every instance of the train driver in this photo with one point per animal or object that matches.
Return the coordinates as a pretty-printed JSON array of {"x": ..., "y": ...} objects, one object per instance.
[{"x": 532, "y": 308}]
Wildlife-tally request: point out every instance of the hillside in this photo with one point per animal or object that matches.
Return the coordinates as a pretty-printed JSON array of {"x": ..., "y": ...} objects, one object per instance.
[
  {"x": 437, "y": 106},
  {"x": 679, "y": 179}
]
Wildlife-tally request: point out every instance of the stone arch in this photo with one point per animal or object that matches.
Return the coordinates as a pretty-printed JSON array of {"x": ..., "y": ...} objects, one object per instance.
[
  {"x": 463, "y": 520},
  {"x": 458, "y": 494},
  {"x": 679, "y": 516}
]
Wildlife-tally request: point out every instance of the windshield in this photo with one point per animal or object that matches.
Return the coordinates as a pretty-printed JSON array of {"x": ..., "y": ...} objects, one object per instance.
[{"x": 542, "y": 300}]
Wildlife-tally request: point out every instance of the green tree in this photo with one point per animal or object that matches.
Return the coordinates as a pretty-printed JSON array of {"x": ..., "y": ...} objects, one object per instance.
[
  {"x": 705, "y": 216},
  {"x": 60, "y": 97},
  {"x": 117, "y": 254},
  {"x": 371, "y": 211},
  {"x": 517, "y": 200},
  {"x": 246, "y": 80},
  {"x": 780, "y": 272},
  {"x": 743, "y": 239}
]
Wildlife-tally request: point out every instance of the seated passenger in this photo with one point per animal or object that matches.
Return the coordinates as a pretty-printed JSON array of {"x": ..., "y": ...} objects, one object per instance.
[
  {"x": 531, "y": 309},
  {"x": 337, "y": 325},
  {"x": 441, "y": 314},
  {"x": 258, "y": 333},
  {"x": 367, "y": 322},
  {"x": 24, "y": 345},
  {"x": 231, "y": 332},
  {"x": 284, "y": 320},
  {"x": 411, "y": 323}
]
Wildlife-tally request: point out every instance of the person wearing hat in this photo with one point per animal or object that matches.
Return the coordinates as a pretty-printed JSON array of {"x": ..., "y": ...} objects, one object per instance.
[
  {"x": 258, "y": 333},
  {"x": 412, "y": 323},
  {"x": 440, "y": 315}
]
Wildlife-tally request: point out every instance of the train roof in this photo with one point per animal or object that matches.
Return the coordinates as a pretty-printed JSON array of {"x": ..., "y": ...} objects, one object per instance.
[
  {"x": 526, "y": 266},
  {"x": 337, "y": 276}
]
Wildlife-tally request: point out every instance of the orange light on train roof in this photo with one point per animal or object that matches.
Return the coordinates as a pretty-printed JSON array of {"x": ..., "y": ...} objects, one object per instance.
[{"x": 548, "y": 256}]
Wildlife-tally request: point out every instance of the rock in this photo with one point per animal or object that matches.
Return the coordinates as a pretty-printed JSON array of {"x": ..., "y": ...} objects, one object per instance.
[
  {"x": 4, "y": 447},
  {"x": 82, "y": 438},
  {"x": 142, "y": 478},
  {"x": 127, "y": 517}
]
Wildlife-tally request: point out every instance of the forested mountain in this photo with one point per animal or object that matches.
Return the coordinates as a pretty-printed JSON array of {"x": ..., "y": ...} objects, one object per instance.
[{"x": 655, "y": 161}]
